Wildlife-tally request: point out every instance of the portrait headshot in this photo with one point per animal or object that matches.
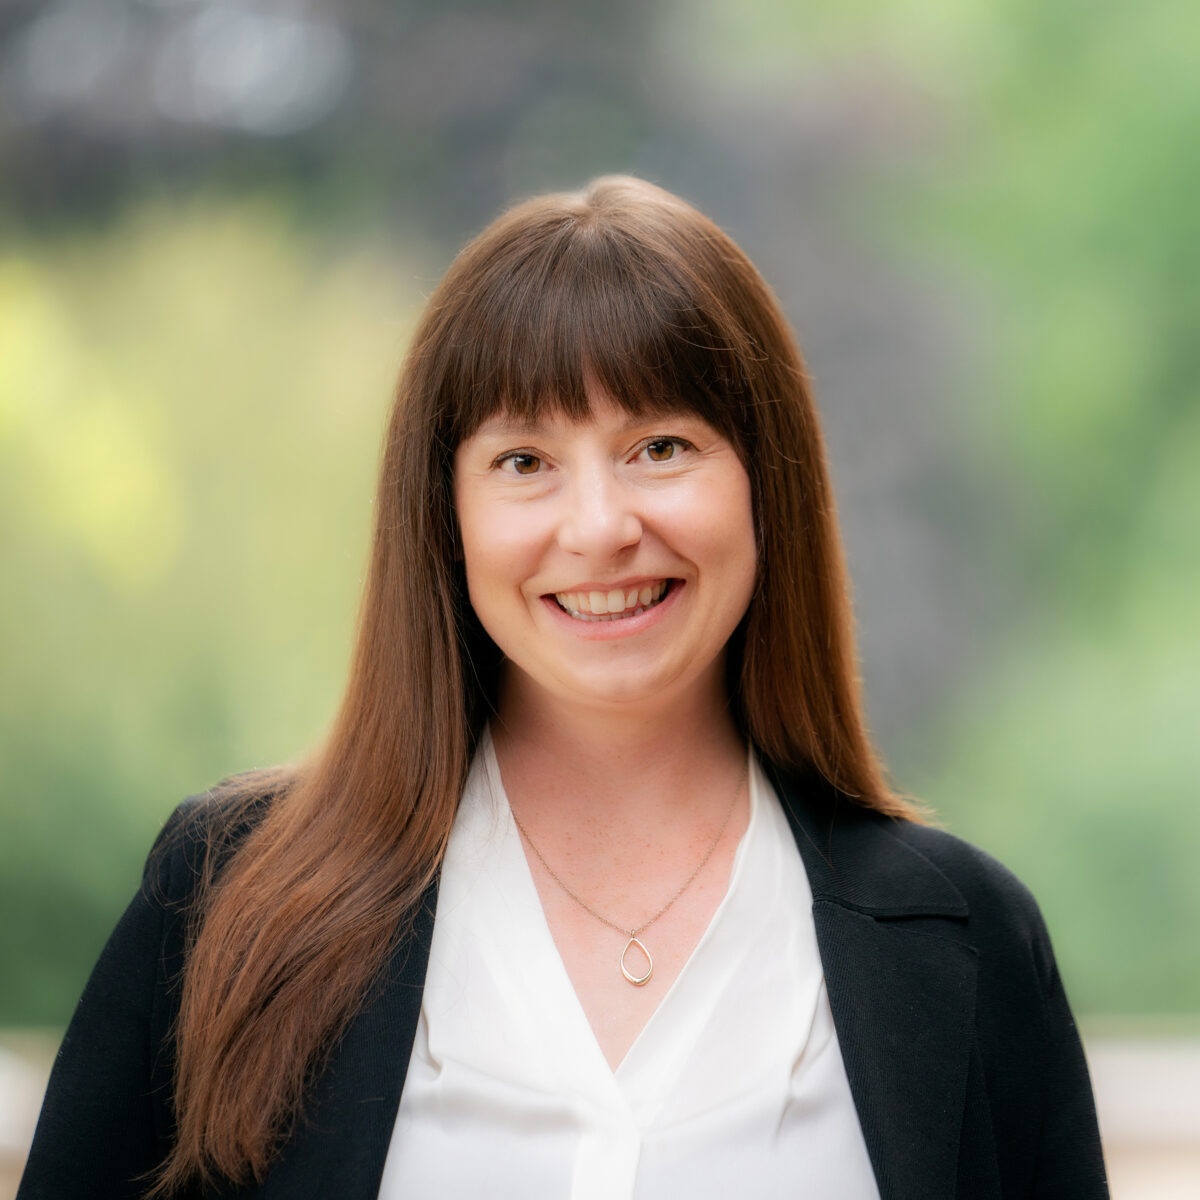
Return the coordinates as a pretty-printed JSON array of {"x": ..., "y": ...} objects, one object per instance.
[{"x": 581, "y": 635}]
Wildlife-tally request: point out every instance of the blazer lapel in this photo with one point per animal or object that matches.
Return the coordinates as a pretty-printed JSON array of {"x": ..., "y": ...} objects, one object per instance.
[
  {"x": 901, "y": 984},
  {"x": 339, "y": 1147}
]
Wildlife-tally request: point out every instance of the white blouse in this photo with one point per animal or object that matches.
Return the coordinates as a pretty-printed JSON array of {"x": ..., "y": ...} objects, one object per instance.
[{"x": 735, "y": 1086}]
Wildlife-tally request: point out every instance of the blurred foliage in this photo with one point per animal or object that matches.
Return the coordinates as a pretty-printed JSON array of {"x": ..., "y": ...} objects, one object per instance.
[
  {"x": 1073, "y": 752},
  {"x": 190, "y": 407},
  {"x": 1046, "y": 173},
  {"x": 191, "y": 397}
]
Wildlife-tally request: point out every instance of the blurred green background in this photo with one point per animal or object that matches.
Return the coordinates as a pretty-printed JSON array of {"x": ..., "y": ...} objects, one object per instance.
[{"x": 218, "y": 221}]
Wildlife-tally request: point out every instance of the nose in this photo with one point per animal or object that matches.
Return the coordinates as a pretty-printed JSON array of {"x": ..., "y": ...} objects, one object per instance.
[{"x": 600, "y": 516}]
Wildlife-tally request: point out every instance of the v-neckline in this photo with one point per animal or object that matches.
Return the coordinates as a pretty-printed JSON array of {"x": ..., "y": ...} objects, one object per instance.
[
  {"x": 504, "y": 1045},
  {"x": 659, "y": 1052}
]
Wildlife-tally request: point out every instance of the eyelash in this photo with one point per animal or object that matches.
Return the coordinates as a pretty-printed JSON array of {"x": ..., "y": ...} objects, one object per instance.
[{"x": 511, "y": 455}]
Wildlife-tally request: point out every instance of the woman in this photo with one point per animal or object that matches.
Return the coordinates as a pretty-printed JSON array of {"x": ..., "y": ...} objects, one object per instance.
[{"x": 596, "y": 888}]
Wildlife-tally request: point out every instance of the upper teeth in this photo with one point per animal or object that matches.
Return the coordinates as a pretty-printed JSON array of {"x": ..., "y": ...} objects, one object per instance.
[{"x": 616, "y": 601}]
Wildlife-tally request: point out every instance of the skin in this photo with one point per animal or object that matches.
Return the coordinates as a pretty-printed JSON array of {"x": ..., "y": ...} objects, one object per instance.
[{"x": 614, "y": 738}]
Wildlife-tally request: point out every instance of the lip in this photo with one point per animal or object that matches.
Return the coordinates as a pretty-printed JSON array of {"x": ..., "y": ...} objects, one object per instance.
[
  {"x": 607, "y": 631},
  {"x": 612, "y": 585}
]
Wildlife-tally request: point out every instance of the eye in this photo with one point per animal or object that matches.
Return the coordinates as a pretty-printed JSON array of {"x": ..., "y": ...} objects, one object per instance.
[
  {"x": 663, "y": 449},
  {"x": 520, "y": 462}
]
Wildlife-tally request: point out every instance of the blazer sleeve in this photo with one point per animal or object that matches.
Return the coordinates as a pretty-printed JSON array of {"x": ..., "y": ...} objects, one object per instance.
[
  {"x": 1070, "y": 1161},
  {"x": 104, "y": 1124}
]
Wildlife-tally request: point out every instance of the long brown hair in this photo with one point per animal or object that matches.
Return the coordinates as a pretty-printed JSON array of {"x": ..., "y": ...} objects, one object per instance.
[{"x": 624, "y": 286}]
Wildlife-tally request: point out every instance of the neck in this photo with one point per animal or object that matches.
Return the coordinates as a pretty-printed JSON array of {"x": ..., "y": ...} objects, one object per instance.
[{"x": 613, "y": 764}]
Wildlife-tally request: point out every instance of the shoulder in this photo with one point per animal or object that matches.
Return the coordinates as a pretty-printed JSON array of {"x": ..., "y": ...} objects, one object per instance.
[
  {"x": 107, "y": 1117},
  {"x": 973, "y": 871},
  {"x": 204, "y": 832},
  {"x": 1001, "y": 910},
  {"x": 897, "y": 870}
]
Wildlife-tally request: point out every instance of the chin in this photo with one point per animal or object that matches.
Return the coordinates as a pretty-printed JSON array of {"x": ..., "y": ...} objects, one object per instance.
[{"x": 624, "y": 691}]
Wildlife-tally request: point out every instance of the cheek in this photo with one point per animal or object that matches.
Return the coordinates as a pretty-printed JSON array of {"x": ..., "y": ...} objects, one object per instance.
[
  {"x": 742, "y": 549},
  {"x": 732, "y": 546},
  {"x": 722, "y": 520},
  {"x": 477, "y": 537},
  {"x": 500, "y": 548}
]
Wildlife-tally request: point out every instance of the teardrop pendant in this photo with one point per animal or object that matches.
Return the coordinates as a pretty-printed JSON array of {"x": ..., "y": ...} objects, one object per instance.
[{"x": 637, "y": 980}]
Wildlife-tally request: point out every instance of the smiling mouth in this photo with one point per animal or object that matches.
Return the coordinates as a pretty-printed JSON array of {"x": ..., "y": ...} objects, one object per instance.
[{"x": 616, "y": 605}]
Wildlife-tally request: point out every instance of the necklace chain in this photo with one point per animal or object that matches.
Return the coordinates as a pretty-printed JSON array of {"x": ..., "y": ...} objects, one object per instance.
[{"x": 632, "y": 934}]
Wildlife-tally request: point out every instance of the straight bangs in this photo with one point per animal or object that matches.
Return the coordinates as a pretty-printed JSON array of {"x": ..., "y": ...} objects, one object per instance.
[{"x": 547, "y": 322}]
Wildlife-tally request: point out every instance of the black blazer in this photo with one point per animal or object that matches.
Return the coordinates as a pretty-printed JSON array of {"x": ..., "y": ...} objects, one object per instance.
[{"x": 963, "y": 1059}]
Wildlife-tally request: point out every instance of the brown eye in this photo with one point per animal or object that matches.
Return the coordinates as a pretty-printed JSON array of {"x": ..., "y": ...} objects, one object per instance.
[
  {"x": 525, "y": 464},
  {"x": 661, "y": 450}
]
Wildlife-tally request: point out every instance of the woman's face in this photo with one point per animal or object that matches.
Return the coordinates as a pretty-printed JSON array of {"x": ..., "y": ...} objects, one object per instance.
[{"x": 610, "y": 560}]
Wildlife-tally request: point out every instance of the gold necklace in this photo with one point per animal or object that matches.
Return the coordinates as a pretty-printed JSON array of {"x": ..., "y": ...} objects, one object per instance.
[{"x": 634, "y": 934}]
